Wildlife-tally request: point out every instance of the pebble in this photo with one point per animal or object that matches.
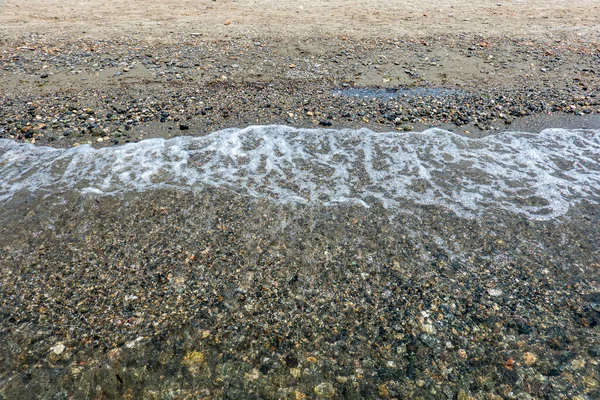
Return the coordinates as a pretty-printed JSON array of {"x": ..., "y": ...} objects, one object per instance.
[
  {"x": 325, "y": 390},
  {"x": 58, "y": 348},
  {"x": 529, "y": 359}
]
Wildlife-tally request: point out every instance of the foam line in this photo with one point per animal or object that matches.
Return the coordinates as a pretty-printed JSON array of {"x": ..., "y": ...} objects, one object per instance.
[{"x": 537, "y": 175}]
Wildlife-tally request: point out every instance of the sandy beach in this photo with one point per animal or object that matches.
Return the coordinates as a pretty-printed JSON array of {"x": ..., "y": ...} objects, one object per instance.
[
  {"x": 164, "y": 21},
  {"x": 480, "y": 281},
  {"x": 238, "y": 63}
]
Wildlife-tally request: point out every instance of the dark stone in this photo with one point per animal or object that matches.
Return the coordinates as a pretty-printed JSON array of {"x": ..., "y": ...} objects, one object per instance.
[
  {"x": 184, "y": 127},
  {"x": 44, "y": 75},
  {"x": 291, "y": 361},
  {"x": 325, "y": 123},
  {"x": 386, "y": 373},
  {"x": 264, "y": 369},
  {"x": 523, "y": 328}
]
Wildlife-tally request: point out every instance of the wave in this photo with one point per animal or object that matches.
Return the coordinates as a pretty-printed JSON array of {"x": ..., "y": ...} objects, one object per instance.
[{"x": 537, "y": 175}]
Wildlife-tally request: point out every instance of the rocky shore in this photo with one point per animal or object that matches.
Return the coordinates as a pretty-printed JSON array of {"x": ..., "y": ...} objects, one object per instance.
[
  {"x": 179, "y": 295},
  {"x": 107, "y": 92}
]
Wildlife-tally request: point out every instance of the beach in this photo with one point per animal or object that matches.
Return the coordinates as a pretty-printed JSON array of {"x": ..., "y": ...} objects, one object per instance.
[
  {"x": 71, "y": 77},
  {"x": 251, "y": 199}
]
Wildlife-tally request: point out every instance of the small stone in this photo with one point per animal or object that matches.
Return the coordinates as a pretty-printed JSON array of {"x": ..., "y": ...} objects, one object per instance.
[
  {"x": 194, "y": 357},
  {"x": 462, "y": 395},
  {"x": 325, "y": 123},
  {"x": 383, "y": 391},
  {"x": 429, "y": 341},
  {"x": 594, "y": 351},
  {"x": 495, "y": 292},
  {"x": 184, "y": 127},
  {"x": 44, "y": 75},
  {"x": 428, "y": 328},
  {"x": 295, "y": 372},
  {"x": 325, "y": 390},
  {"x": 194, "y": 361},
  {"x": 462, "y": 353},
  {"x": 529, "y": 359},
  {"x": 58, "y": 348},
  {"x": 253, "y": 375},
  {"x": 578, "y": 363}
]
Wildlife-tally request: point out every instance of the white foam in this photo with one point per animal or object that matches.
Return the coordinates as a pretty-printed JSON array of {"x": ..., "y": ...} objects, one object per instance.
[{"x": 537, "y": 175}]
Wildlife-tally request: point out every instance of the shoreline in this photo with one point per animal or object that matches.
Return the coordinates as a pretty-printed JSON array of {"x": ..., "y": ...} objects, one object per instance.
[
  {"x": 112, "y": 92},
  {"x": 164, "y": 293}
]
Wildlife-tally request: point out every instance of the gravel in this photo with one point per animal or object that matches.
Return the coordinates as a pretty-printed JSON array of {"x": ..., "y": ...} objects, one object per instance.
[
  {"x": 213, "y": 295},
  {"x": 109, "y": 93}
]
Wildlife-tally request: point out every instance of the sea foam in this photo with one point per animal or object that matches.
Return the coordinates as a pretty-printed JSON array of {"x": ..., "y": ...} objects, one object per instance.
[{"x": 537, "y": 175}]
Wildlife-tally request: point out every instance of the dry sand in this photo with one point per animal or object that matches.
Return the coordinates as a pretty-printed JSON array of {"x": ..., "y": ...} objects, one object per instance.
[{"x": 166, "y": 19}]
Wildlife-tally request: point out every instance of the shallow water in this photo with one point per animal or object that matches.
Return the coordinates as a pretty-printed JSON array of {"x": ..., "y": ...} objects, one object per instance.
[{"x": 273, "y": 262}]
